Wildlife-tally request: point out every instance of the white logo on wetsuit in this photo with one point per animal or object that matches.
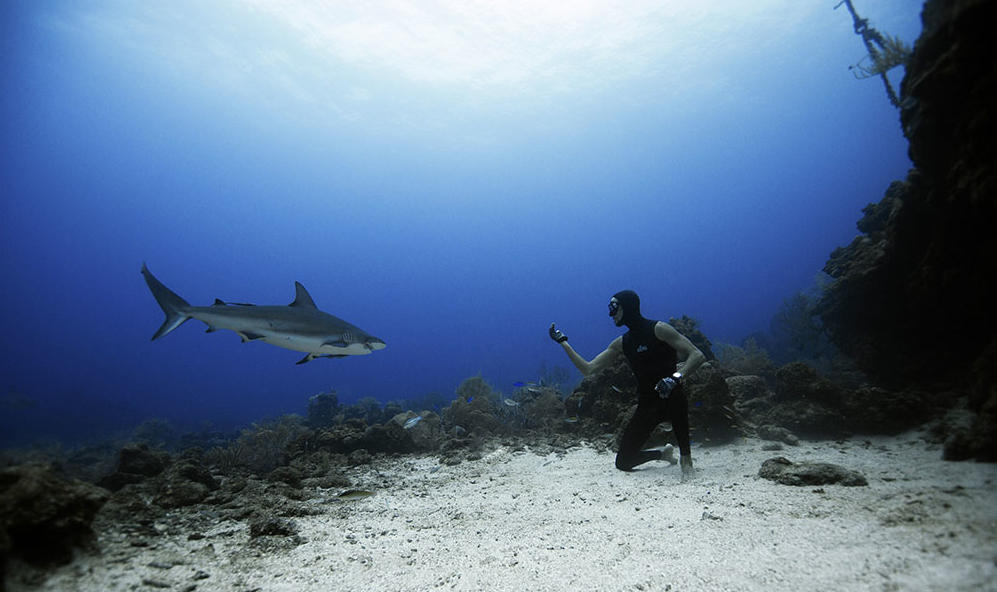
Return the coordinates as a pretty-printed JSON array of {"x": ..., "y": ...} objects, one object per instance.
[{"x": 641, "y": 349}]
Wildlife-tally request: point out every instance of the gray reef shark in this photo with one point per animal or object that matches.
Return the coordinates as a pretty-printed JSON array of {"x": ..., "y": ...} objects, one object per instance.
[{"x": 300, "y": 326}]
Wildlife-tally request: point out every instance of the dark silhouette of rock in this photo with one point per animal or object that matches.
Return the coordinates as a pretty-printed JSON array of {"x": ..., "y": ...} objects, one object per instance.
[
  {"x": 911, "y": 300},
  {"x": 136, "y": 463},
  {"x": 272, "y": 526},
  {"x": 185, "y": 484},
  {"x": 44, "y": 516},
  {"x": 782, "y": 470}
]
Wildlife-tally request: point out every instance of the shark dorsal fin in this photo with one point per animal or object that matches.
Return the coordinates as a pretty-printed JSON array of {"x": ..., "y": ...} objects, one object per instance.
[{"x": 301, "y": 297}]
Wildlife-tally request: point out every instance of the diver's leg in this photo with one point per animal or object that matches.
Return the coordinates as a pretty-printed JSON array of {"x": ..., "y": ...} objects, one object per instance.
[
  {"x": 634, "y": 435},
  {"x": 679, "y": 411}
]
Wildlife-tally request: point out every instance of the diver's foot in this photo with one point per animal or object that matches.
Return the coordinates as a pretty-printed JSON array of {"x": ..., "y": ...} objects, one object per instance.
[
  {"x": 687, "y": 471},
  {"x": 668, "y": 454}
]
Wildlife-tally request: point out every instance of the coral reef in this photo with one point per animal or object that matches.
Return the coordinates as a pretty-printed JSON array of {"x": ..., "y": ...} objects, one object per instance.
[{"x": 689, "y": 327}]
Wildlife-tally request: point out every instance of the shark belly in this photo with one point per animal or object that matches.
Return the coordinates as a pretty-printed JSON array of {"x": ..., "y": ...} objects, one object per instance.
[{"x": 314, "y": 345}]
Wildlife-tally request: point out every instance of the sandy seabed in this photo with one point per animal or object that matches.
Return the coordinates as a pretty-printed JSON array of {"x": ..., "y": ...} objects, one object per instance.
[{"x": 518, "y": 520}]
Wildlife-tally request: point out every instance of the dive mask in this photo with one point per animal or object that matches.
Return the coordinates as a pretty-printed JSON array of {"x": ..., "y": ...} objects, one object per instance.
[{"x": 614, "y": 307}]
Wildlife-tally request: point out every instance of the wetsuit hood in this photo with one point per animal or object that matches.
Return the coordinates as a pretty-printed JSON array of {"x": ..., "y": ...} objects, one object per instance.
[{"x": 630, "y": 303}]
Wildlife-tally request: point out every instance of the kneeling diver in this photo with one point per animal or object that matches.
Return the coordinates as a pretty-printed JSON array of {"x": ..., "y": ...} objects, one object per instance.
[{"x": 653, "y": 350}]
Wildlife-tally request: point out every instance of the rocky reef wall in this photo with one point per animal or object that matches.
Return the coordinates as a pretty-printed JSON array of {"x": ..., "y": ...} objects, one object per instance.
[{"x": 911, "y": 299}]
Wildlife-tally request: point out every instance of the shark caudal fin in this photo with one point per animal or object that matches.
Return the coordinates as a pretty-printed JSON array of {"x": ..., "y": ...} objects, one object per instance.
[{"x": 173, "y": 306}]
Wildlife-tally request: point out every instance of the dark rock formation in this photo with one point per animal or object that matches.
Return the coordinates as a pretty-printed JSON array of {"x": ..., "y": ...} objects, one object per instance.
[
  {"x": 43, "y": 516},
  {"x": 911, "y": 300},
  {"x": 135, "y": 463},
  {"x": 184, "y": 484},
  {"x": 602, "y": 401},
  {"x": 781, "y": 470},
  {"x": 712, "y": 416},
  {"x": 272, "y": 526}
]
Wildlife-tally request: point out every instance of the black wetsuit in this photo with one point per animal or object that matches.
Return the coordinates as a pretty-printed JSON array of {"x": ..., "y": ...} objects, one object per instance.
[{"x": 651, "y": 360}]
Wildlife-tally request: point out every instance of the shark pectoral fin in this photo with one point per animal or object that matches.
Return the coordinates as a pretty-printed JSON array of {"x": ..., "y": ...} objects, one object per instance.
[
  {"x": 311, "y": 357},
  {"x": 247, "y": 337},
  {"x": 338, "y": 343}
]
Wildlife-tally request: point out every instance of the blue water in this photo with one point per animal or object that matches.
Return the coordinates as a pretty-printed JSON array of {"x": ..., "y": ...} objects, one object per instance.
[{"x": 450, "y": 178}]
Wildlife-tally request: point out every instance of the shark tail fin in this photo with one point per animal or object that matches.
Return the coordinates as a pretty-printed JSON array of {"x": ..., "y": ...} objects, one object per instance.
[{"x": 172, "y": 304}]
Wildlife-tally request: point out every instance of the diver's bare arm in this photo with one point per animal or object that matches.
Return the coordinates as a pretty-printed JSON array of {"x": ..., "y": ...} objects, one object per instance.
[
  {"x": 689, "y": 355},
  {"x": 599, "y": 362}
]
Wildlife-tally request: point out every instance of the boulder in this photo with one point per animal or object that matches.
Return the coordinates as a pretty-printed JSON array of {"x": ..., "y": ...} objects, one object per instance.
[{"x": 786, "y": 472}]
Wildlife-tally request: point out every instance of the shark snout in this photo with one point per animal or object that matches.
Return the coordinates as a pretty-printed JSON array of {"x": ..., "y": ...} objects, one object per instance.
[{"x": 374, "y": 344}]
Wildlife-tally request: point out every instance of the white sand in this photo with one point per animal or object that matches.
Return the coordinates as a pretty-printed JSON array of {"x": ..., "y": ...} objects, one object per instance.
[{"x": 520, "y": 521}]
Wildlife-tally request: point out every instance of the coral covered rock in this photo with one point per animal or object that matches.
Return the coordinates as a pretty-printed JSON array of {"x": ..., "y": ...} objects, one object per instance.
[{"x": 44, "y": 516}]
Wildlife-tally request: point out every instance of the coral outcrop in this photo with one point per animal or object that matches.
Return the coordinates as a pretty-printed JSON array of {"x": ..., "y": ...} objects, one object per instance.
[{"x": 43, "y": 516}]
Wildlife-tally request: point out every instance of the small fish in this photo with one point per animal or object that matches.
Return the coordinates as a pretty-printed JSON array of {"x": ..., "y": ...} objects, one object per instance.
[
  {"x": 571, "y": 419},
  {"x": 697, "y": 404},
  {"x": 617, "y": 389},
  {"x": 411, "y": 422},
  {"x": 510, "y": 402},
  {"x": 354, "y": 494},
  {"x": 519, "y": 383},
  {"x": 533, "y": 389}
]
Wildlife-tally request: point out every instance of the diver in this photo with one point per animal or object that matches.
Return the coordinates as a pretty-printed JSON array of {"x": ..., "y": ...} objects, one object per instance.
[{"x": 660, "y": 358}]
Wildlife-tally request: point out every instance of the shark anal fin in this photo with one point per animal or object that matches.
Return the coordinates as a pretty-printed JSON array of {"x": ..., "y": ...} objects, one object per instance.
[
  {"x": 247, "y": 337},
  {"x": 218, "y": 302}
]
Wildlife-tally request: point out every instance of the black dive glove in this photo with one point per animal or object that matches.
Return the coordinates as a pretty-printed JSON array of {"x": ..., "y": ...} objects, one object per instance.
[
  {"x": 556, "y": 334},
  {"x": 666, "y": 385}
]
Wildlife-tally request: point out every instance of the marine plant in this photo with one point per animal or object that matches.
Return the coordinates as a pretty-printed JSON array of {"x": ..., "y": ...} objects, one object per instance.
[
  {"x": 367, "y": 409},
  {"x": 747, "y": 360},
  {"x": 260, "y": 448},
  {"x": 884, "y": 52},
  {"x": 689, "y": 327},
  {"x": 476, "y": 387},
  {"x": 555, "y": 377},
  {"x": 323, "y": 409}
]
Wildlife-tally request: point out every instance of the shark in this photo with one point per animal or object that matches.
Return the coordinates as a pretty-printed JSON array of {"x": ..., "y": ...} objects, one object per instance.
[{"x": 299, "y": 326}]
